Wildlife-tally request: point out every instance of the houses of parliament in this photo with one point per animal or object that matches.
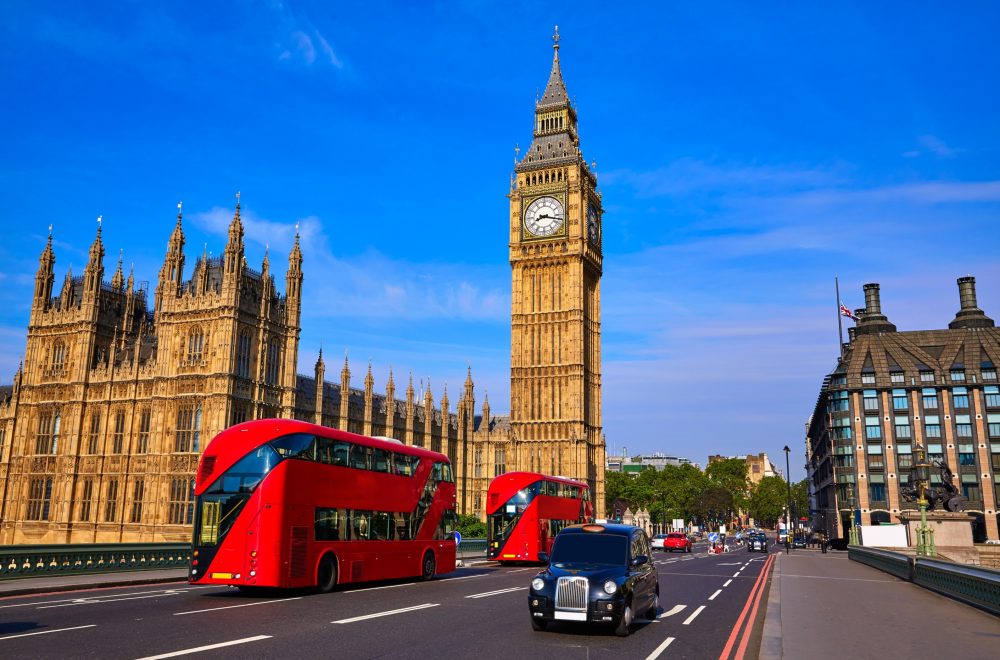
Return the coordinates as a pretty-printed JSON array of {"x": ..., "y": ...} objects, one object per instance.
[{"x": 120, "y": 391}]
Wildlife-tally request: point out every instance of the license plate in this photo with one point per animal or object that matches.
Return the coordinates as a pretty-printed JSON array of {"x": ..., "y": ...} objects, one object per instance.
[
  {"x": 222, "y": 576},
  {"x": 571, "y": 616}
]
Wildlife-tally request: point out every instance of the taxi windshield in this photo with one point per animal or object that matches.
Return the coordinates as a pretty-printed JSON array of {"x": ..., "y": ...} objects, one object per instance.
[{"x": 590, "y": 548}]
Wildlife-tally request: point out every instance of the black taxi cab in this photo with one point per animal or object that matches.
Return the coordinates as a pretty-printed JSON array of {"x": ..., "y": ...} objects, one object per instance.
[{"x": 597, "y": 573}]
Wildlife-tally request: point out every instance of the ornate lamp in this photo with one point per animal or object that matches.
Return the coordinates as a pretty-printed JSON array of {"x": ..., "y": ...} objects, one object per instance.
[{"x": 921, "y": 474}]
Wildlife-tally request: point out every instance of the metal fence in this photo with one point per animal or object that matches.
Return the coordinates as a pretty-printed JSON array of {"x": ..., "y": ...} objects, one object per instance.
[
  {"x": 22, "y": 561},
  {"x": 974, "y": 585}
]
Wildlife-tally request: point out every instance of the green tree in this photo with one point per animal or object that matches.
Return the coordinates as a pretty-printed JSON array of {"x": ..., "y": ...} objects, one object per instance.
[
  {"x": 731, "y": 475},
  {"x": 471, "y": 527},
  {"x": 767, "y": 501},
  {"x": 800, "y": 498}
]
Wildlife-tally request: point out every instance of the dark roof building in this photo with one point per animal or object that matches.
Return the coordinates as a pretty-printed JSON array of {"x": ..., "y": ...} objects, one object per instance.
[{"x": 894, "y": 391}]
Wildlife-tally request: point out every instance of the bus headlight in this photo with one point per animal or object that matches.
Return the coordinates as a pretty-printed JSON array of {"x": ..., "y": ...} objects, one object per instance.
[
  {"x": 610, "y": 587},
  {"x": 538, "y": 584}
]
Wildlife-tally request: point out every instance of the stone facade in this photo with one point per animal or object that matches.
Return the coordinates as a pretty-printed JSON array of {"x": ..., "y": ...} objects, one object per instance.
[{"x": 893, "y": 391}]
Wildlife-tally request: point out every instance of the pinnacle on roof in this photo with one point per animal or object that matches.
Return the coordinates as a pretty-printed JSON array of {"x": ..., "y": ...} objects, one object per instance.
[{"x": 555, "y": 91}]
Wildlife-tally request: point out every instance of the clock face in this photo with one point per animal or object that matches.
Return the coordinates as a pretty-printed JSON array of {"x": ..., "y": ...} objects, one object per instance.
[
  {"x": 544, "y": 216},
  {"x": 592, "y": 225}
]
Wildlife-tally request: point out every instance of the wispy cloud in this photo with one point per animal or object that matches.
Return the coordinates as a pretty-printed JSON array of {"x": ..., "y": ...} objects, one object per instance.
[
  {"x": 931, "y": 144},
  {"x": 303, "y": 42},
  {"x": 372, "y": 285}
]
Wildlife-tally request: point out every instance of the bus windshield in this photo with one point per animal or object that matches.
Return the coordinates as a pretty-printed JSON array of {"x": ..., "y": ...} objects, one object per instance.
[
  {"x": 247, "y": 473},
  {"x": 219, "y": 506}
]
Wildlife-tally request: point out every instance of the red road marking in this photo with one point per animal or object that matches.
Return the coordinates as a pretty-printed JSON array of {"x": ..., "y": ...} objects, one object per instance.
[
  {"x": 757, "y": 587},
  {"x": 753, "y": 616}
]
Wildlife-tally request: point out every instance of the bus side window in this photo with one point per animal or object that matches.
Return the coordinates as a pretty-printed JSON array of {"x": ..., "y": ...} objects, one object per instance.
[
  {"x": 436, "y": 472},
  {"x": 361, "y": 457},
  {"x": 341, "y": 452},
  {"x": 402, "y": 522},
  {"x": 360, "y": 525},
  {"x": 380, "y": 529},
  {"x": 446, "y": 474},
  {"x": 327, "y": 527},
  {"x": 324, "y": 450},
  {"x": 296, "y": 445},
  {"x": 383, "y": 461},
  {"x": 404, "y": 465}
]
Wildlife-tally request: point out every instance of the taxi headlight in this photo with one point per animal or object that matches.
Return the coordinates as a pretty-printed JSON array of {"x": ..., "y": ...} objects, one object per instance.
[
  {"x": 610, "y": 587},
  {"x": 538, "y": 584}
]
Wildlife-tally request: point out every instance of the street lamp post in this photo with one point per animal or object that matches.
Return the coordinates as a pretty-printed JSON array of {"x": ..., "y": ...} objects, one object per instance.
[
  {"x": 788, "y": 517},
  {"x": 921, "y": 473}
]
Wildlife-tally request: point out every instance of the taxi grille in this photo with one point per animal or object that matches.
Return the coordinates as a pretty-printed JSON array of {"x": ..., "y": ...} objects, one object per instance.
[{"x": 571, "y": 593}]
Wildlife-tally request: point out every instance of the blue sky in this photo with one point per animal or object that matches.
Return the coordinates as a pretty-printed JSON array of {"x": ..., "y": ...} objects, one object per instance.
[{"x": 747, "y": 152}]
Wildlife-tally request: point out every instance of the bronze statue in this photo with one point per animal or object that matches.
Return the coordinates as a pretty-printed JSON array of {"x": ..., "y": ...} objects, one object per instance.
[{"x": 946, "y": 493}]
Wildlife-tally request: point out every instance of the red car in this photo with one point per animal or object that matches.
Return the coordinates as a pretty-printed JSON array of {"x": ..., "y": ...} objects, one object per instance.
[{"x": 677, "y": 541}]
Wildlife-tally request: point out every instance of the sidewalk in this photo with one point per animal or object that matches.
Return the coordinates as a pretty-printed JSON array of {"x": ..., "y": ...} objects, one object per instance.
[
  {"x": 36, "y": 585},
  {"x": 824, "y": 606}
]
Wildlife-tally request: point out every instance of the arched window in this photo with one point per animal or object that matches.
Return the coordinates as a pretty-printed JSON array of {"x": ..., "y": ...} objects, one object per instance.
[
  {"x": 243, "y": 354},
  {"x": 58, "y": 355},
  {"x": 196, "y": 345},
  {"x": 273, "y": 353}
]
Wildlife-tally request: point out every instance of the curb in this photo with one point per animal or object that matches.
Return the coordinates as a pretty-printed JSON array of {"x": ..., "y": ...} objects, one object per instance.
[{"x": 770, "y": 641}]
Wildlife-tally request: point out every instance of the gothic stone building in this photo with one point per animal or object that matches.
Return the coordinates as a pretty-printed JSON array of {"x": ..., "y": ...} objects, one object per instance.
[
  {"x": 101, "y": 431},
  {"x": 893, "y": 391}
]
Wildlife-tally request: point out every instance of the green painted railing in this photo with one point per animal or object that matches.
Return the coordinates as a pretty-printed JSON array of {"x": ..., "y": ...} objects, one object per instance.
[
  {"x": 23, "y": 561},
  {"x": 470, "y": 548},
  {"x": 974, "y": 585},
  {"x": 894, "y": 563}
]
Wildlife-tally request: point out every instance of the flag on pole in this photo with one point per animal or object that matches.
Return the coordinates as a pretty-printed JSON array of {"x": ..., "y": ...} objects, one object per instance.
[{"x": 846, "y": 312}]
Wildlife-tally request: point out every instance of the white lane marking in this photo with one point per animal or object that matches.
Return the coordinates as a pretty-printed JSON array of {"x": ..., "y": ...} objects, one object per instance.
[
  {"x": 672, "y": 611},
  {"x": 229, "y": 607},
  {"x": 390, "y": 612},
  {"x": 728, "y": 582},
  {"x": 88, "y": 601},
  {"x": 520, "y": 570},
  {"x": 46, "y": 632},
  {"x": 498, "y": 591},
  {"x": 463, "y": 577},
  {"x": 659, "y": 649},
  {"x": 96, "y": 598},
  {"x": 688, "y": 620},
  {"x": 210, "y": 647},
  {"x": 387, "y": 586},
  {"x": 736, "y": 574},
  {"x": 717, "y": 592},
  {"x": 733, "y": 564}
]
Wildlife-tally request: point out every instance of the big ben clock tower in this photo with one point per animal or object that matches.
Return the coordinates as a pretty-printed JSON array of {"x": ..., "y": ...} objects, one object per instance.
[{"x": 556, "y": 262}]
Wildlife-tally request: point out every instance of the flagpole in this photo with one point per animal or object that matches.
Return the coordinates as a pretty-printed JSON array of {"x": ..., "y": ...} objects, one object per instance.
[{"x": 840, "y": 320}]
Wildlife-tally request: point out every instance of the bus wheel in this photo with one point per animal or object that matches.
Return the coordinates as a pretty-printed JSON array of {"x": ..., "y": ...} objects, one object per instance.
[
  {"x": 427, "y": 566},
  {"x": 326, "y": 576}
]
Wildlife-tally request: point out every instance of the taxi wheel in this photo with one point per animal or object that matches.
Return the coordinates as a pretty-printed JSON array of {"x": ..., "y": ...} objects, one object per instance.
[
  {"x": 655, "y": 609},
  {"x": 538, "y": 624},
  {"x": 625, "y": 622}
]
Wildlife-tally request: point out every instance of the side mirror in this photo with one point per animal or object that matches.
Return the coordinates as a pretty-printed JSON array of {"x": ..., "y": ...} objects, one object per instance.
[
  {"x": 543, "y": 557},
  {"x": 639, "y": 560}
]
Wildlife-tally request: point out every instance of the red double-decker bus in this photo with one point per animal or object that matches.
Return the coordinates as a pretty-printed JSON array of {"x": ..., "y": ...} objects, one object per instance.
[
  {"x": 525, "y": 511},
  {"x": 283, "y": 503}
]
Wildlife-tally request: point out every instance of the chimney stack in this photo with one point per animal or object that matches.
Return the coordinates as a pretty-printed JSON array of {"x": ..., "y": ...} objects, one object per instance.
[
  {"x": 873, "y": 321},
  {"x": 969, "y": 316}
]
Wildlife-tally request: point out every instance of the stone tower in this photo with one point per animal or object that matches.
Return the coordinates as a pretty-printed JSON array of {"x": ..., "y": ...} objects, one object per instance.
[{"x": 556, "y": 265}]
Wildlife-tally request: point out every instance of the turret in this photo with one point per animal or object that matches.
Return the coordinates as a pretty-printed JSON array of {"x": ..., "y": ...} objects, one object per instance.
[
  {"x": 45, "y": 277},
  {"x": 345, "y": 394},
  {"x": 390, "y": 406},
  {"x": 369, "y": 399},
  {"x": 172, "y": 271},
  {"x": 320, "y": 372},
  {"x": 93, "y": 273},
  {"x": 118, "y": 279},
  {"x": 233, "y": 256}
]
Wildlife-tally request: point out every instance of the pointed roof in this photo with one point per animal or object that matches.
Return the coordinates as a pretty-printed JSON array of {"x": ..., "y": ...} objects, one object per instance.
[
  {"x": 97, "y": 248},
  {"x": 555, "y": 91}
]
